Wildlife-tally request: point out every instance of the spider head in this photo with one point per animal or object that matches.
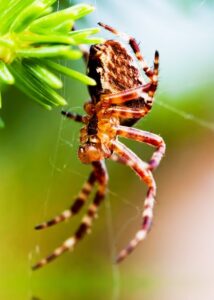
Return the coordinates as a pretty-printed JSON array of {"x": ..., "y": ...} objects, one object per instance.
[{"x": 90, "y": 152}]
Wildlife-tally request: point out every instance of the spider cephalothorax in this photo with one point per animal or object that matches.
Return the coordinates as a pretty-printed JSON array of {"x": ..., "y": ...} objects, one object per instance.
[{"x": 120, "y": 98}]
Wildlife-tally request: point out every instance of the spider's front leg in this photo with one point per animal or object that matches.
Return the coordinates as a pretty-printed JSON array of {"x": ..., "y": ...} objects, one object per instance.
[
  {"x": 102, "y": 179},
  {"x": 145, "y": 137},
  {"x": 129, "y": 158},
  {"x": 73, "y": 116},
  {"x": 145, "y": 92},
  {"x": 89, "y": 109},
  {"x": 124, "y": 112}
]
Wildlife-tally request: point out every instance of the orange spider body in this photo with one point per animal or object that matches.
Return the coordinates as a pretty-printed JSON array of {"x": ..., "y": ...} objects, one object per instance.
[{"x": 114, "y": 70}]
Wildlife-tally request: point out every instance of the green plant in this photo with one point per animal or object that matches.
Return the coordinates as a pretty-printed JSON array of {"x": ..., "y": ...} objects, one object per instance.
[{"x": 32, "y": 35}]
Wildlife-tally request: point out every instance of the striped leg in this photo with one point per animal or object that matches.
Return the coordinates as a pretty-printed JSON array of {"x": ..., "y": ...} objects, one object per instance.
[
  {"x": 127, "y": 95},
  {"x": 75, "y": 207},
  {"x": 133, "y": 44},
  {"x": 125, "y": 112},
  {"x": 148, "y": 138},
  {"x": 72, "y": 116},
  {"x": 102, "y": 178},
  {"x": 130, "y": 159},
  {"x": 154, "y": 77}
]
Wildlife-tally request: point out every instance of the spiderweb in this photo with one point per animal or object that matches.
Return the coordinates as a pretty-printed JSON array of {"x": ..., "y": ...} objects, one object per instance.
[{"x": 102, "y": 13}]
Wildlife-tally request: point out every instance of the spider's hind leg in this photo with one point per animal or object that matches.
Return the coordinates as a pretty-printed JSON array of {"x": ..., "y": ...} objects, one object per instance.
[
  {"x": 129, "y": 158},
  {"x": 148, "y": 138},
  {"x": 102, "y": 179}
]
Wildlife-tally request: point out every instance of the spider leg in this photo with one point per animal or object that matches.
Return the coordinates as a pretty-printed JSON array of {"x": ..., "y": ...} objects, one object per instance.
[
  {"x": 145, "y": 137},
  {"x": 75, "y": 207},
  {"x": 129, "y": 158},
  {"x": 102, "y": 179},
  {"x": 141, "y": 91},
  {"x": 72, "y": 116},
  {"x": 125, "y": 112},
  {"x": 118, "y": 159},
  {"x": 133, "y": 44}
]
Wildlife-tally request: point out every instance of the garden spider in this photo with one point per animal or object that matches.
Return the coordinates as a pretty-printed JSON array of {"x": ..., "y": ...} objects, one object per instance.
[{"x": 120, "y": 98}]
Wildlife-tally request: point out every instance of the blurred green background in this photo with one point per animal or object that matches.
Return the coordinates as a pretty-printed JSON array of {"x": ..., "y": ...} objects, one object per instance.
[{"x": 40, "y": 174}]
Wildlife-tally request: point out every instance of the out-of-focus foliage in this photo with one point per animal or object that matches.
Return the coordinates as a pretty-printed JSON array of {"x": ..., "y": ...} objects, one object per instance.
[
  {"x": 1, "y": 123},
  {"x": 31, "y": 35}
]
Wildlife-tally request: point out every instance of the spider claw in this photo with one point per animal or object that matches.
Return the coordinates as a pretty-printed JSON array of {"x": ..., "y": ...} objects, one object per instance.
[
  {"x": 124, "y": 253},
  {"x": 107, "y": 27},
  {"x": 119, "y": 258},
  {"x": 40, "y": 226},
  {"x": 156, "y": 54},
  {"x": 66, "y": 113},
  {"x": 140, "y": 235},
  {"x": 65, "y": 215},
  {"x": 48, "y": 223}
]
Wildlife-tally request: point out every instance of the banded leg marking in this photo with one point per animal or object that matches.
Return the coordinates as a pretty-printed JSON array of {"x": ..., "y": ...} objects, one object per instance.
[
  {"x": 148, "y": 138},
  {"x": 93, "y": 208},
  {"x": 126, "y": 112},
  {"x": 129, "y": 158},
  {"x": 72, "y": 116},
  {"x": 127, "y": 95},
  {"x": 99, "y": 170},
  {"x": 154, "y": 77},
  {"x": 75, "y": 208}
]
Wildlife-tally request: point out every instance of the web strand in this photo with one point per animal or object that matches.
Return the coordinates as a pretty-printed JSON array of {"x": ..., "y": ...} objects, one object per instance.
[
  {"x": 111, "y": 238},
  {"x": 187, "y": 116}
]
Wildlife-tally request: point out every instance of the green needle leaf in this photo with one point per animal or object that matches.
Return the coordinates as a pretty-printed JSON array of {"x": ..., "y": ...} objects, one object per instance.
[
  {"x": 82, "y": 33},
  {"x": 50, "y": 51},
  {"x": 29, "y": 14},
  {"x": 50, "y": 38},
  {"x": 66, "y": 71},
  {"x": 31, "y": 34},
  {"x": 5, "y": 74},
  {"x": 55, "y": 19},
  {"x": 45, "y": 75},
  {"x": 34, "y": 87}
]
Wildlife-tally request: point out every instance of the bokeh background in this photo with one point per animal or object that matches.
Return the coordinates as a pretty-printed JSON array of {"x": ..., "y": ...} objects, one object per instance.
[{"x": 40, "y": 174}]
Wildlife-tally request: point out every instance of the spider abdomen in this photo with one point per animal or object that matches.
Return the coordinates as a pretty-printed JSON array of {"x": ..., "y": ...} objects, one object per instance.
[
  {"x": 113, "y": 68},
  {"x": 115, "y": 71}
]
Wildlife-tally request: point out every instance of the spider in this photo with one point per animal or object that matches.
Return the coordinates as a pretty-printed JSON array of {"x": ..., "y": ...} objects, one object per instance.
[{"x": 120, "y": 98}]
